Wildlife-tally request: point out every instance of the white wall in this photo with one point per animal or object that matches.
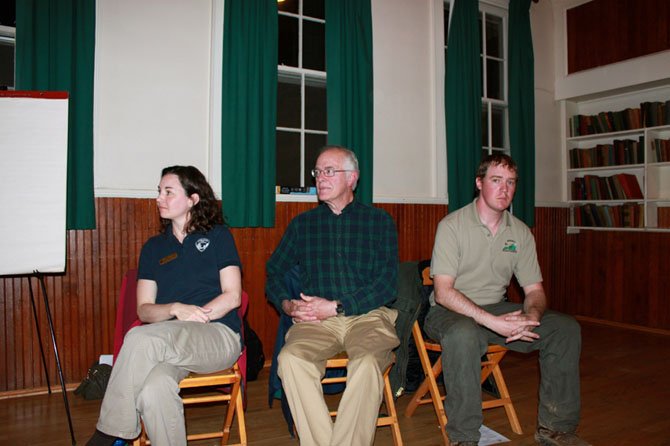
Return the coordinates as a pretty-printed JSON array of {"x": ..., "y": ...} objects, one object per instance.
[
  {"x": 152, "y": 97},
  {"x": 548, "y": 157},
  {"x": 151, "y": 92},
  {"x": 155, "y": 97},
  {"x": 409, "y": 158}
]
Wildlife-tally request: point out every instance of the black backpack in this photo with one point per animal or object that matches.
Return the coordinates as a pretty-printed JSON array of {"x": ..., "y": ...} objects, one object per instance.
[
  {"x": 95, "y": 383},
  {"x": 255, "y": 356}
]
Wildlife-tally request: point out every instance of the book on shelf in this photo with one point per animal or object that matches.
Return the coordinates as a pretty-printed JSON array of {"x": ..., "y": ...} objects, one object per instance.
[
  {"x": 655, "y": 113},
  {"x": 621, "y": 186},
  {"x": 619, "y": 152},
  {"x": 606, "y": 122},
  {"x": 630, "y": 186},
  {"x": 660, "y": 150},
  {"x": 627, "y": 215}
]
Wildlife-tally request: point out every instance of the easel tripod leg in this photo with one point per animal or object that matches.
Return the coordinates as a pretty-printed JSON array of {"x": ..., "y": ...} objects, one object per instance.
[{"x": 40, "y": 277}]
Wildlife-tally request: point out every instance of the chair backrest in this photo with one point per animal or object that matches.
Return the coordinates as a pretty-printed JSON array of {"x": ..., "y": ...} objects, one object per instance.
[
  {"x": 126, "y": 317},
  {"x": 126, "y": 312}
]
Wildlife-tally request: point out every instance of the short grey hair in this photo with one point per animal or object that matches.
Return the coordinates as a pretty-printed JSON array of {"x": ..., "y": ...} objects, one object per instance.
[{"x": 350, "y": 159}]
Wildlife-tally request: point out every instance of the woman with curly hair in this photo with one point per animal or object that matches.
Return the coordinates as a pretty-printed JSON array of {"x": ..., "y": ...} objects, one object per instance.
[{"x": 189, "y": 285}]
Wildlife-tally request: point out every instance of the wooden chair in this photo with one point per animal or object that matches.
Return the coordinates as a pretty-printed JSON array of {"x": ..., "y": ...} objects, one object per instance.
[
  {"x": 223, "y": 386},
  {"x": 340, "y": 361},
  {"x": 490, "y": 366}
]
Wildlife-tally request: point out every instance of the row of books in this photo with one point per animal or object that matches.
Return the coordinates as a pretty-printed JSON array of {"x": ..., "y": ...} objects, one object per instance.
[
  {"x": 622, "y": 186},
  {"x": 606, "y": 122},
  {"x": 629, "y": 215},
  {"x": 620, "y": 152},
  {"x": 649, "y": 114},
  {"x": 655, "y": 113},
  {"x": 660, "y": 150}
]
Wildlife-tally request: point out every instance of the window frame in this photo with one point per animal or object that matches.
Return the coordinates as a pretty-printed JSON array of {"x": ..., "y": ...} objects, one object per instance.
[
  {"x": 499, "y": 9},
  {"x": 305, "y": 77}
]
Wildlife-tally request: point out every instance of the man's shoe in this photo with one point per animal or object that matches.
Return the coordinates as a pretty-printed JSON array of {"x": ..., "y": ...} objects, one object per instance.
[
  {"x": 101, "y": 439},
  {"x": 547, "y": 437}
]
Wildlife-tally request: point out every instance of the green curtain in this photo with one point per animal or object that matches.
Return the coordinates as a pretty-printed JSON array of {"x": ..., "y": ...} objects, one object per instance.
[
  {"x": 55, "y": 47},
  {"x": 249, "y": 112},
  {"x": 463, "y": 99},
  {"x": 349, "y": 84},
  {"x": 522, "y": 107}
]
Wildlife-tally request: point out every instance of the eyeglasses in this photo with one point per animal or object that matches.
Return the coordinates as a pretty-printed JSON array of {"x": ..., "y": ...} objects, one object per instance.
[{"x": 329, "y": 172}]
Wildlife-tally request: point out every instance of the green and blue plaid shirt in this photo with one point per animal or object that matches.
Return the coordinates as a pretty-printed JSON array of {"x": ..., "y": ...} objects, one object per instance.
[{"x": 351, "y": 257}]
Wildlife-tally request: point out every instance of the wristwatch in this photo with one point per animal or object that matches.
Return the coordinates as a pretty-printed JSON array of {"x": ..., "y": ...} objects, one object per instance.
[{"x": 339, "y": 308}]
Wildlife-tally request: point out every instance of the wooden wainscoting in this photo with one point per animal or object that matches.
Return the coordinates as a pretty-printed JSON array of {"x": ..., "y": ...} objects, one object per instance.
[{"x": 616, "y": 276}]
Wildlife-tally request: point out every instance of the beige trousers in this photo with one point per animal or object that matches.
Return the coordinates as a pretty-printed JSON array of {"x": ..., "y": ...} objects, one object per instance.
[{"x": 368, "y": 340}]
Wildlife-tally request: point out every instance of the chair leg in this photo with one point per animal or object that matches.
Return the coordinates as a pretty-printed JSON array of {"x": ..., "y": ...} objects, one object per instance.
[
  {"x": 390, "y": 406},
  {"x": 429, "y": 384},
  {"x": 235, "y": 408},
  {"x": 505, "y": 396},
  {"x": 241, "y": 422},
  {"x": 492, "y": 366}
]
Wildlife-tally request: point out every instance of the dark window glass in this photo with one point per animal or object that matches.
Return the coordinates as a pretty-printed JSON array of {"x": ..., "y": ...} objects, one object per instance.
[
  {"x": 288, "y": 41},
  {"x": 498, "y": 126},
  {"x": 313, "y": 8},
  {"x": 288, "y": 159},
  {"x": 494, "y": 36},
  {"x": 313, "y": 145},
  {"x": 494, "y": 78},
  {"x": 485, "y": 127},
  {"x": 313, "y": 46},
  {"x": 289, "y": 6},
  {"x": 6, "y": 65},
  {"x": 315, "y": 106},
  {"x": 288, "y": 103}
]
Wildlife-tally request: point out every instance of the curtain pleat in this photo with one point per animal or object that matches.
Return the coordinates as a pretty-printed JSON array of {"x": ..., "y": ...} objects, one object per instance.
[
  {"x": 55, "y": 51},
  {"x": 463, "y": 100},
  {"x": 522, "y": 107},
  {"x": 249, "y": 112},
  {"x": 349, "y": 84}
]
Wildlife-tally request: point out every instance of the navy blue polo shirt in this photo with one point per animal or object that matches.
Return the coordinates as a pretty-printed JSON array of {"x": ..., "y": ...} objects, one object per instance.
[{"x": 188, "y": 272}]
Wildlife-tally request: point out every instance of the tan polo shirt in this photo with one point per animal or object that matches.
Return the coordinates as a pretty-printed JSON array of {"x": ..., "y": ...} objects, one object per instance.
[{"x": 483, "y": 264}]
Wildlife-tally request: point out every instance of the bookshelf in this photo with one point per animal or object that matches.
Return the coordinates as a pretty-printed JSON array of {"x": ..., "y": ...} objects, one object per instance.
[{"x": 617, "y": 159}]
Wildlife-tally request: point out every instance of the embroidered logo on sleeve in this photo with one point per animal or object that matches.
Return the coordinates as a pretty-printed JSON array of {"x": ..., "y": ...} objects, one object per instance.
[
  {"x": 201, "y": 244},
  {"x": 510, "y": 246}
]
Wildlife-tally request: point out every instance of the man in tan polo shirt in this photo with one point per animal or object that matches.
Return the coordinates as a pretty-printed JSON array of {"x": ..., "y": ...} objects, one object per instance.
[{"x": 477, "y": 250}]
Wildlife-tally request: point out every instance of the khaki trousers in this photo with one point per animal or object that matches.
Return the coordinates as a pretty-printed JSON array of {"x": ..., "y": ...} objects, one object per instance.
[
  {"x": 368, "y": 340},
  {"x": 145, "y": 377}
]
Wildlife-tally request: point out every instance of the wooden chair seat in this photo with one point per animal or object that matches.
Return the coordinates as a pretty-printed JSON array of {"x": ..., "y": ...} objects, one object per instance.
[
  {"x": 490, "y": 366},
  {"x": 340, "y": 361},
  {"x": 212, "y": 384}
]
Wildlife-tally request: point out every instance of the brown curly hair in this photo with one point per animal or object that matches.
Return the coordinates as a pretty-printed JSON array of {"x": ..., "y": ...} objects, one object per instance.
[{"x": 206, "y": 212}]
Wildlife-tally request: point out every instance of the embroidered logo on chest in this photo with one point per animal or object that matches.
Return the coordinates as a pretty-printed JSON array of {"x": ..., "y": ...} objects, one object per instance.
[
  {"x": 201, "y": 244},
  {"x": 510, "y": 246}
]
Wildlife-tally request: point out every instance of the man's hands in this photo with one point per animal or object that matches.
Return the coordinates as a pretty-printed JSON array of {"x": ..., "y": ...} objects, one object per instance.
[
  {"x": 515, "y": 326},
  {"x": 309, "y": 308}
]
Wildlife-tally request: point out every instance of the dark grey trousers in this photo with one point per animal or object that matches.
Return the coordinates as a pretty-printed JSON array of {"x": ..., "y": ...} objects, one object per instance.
[{"x": 463, "y": 344}]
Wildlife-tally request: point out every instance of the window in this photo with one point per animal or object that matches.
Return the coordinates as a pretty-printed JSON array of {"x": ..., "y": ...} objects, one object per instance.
[
  {"x": 301, "y": 90},
  {"x": 493, "y": 52},
  {"x": 7, "y": 39}
]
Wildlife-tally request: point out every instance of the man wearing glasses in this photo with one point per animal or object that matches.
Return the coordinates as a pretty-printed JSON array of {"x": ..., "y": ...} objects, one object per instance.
[{"x": 347, "y": 255}]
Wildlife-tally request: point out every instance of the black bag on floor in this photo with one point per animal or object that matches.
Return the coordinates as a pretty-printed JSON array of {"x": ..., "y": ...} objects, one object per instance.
[{"x": 94, "y": 385}]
